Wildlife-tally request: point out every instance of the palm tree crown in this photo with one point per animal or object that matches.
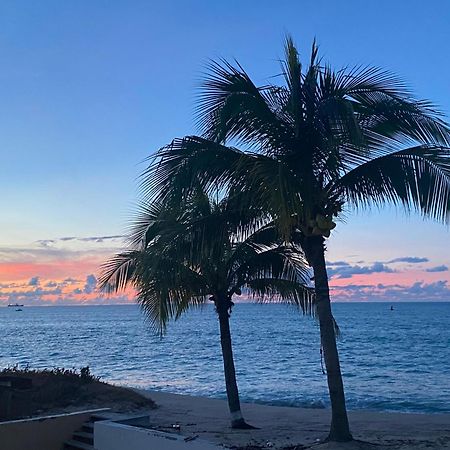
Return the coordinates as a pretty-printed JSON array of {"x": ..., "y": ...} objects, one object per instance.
[
  {"x": 180, "y": 257},
  {"x": 322, "y": 140},
  {"x": 203, "y": 250}
]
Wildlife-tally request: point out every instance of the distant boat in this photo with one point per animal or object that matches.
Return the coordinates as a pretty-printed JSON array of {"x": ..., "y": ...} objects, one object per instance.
[
  {"x": 15, "y": 305},
  {"x": 19, "y": 309},
  {"x": 392, "y": 308}
]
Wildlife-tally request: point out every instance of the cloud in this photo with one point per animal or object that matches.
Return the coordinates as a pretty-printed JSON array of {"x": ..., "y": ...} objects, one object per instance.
[
  {"x": 91, "y": 284},
  {"x": 417, "y": 292},
  {"x": 99, "y": 239},
  {"x": 347, "y": 271},
  {"x": 65, "y": 268},
  {"x": 29, "y": 297},
  {"x": 441, "y": 268},
  {"x": 34, "y": 281},
  {"x": 408, "y": 259},
  {"x": 421, "y": 291},
  {"x": 46, "y": 242},
  {"x": 337, "y": 263},
  {"x": 57, "y": 297},
  {"x": 71, "y": 281},
  {"x": 60, "y": 293},
  {"x": 42, "y": 255},
  {"x": 344, "y": 269},
  {"x": 97, "y": 248}
]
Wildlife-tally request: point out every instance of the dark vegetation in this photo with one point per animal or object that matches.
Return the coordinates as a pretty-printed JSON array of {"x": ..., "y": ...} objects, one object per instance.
[{"x": 26, "y": 392}]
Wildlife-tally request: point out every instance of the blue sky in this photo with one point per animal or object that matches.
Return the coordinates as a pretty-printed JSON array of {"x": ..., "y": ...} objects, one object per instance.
[{"x": 91, "y": 88}]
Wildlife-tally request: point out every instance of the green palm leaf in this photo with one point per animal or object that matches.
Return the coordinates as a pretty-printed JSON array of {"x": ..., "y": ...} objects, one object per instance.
[{"x": 417, "y": 177}]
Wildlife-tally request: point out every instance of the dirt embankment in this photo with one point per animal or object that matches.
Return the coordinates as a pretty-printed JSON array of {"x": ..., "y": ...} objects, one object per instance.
[{"x": 27, "y": 392}]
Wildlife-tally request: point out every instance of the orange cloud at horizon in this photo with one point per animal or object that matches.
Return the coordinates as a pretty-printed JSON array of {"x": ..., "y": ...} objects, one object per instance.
[{"x": 71, "y": 281}]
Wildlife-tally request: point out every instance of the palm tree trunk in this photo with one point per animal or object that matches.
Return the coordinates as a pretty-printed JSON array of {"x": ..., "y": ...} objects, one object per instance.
[
  {"x": 237, "y": 420},
  {"x": 315, "y": 252}
]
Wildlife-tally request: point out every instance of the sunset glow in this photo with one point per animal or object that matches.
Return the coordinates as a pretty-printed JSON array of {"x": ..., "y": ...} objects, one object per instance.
[{"x": 64, "y": 272}]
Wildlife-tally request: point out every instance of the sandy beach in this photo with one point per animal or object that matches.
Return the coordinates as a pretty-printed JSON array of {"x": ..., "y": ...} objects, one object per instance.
[{"x": 297, "y": 428}]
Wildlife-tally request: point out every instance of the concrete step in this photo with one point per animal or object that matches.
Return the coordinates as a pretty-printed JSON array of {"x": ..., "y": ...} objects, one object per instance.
[
  {"x": 77, "y": 445},
  {"x": 96, "y": 417},
  {"x": 83, "y": 439},
  {"x": 88, "y": 427},
  {"x": 82, "y": 436}
]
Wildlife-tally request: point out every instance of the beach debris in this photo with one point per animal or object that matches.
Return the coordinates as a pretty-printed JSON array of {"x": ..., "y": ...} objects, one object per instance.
[
  {"x": 269, "y": 444},
  {"x": 256, "y": 446},
  {"x": 190, "y": 438}
]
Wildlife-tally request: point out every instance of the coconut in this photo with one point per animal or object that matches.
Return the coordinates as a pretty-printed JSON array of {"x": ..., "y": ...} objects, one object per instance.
[
  {"x": 322, "y": 221},
  {"x": 317, "y": 231}
]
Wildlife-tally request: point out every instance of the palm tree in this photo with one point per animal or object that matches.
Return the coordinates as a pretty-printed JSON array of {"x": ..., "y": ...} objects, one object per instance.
[
  {"x": 321, "y": 141},
  {"x": 202, "y": 250}
]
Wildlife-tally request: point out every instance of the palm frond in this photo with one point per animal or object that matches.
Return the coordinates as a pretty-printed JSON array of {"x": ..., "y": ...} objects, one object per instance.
[
  {"x": 283, "y": 291},
  {"x": 266, "y": 183},
  {"x": 417, "y": 178},
  {"x": 386, "y": 120},
  {"x": 187, "y": 164},
  {"x": 118, "y": 273},
  {"x": 252, "y": 262},
  {"x": 166, "y": 288},
  {"x": 292, "y": 71},
  {"x": 385, "y": 105},
  {"x": 231, "y": 106},
  {"x": 360, "y": 82},
  {"x": 147, "y": 222}
]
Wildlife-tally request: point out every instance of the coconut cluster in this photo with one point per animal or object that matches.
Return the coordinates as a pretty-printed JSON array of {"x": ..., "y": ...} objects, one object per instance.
[{"x": 321, "y": 225}]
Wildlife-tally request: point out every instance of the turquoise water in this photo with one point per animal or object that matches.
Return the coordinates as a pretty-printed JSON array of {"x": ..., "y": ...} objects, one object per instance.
[{"x": 392, "y": 360}]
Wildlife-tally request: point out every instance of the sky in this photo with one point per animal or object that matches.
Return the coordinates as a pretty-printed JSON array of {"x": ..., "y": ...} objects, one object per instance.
[{"x": 90, "y": 89}]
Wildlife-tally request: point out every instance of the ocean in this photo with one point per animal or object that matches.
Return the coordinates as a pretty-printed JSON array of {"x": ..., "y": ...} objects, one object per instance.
[{"x": 391, "y": 360}]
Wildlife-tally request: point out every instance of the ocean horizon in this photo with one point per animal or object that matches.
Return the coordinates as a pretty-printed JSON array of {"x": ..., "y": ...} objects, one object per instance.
[{"x": 391, "y": 360}]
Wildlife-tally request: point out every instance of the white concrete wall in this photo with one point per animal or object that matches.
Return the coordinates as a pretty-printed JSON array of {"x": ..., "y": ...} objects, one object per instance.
[{"x": 115, "y": 436}]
